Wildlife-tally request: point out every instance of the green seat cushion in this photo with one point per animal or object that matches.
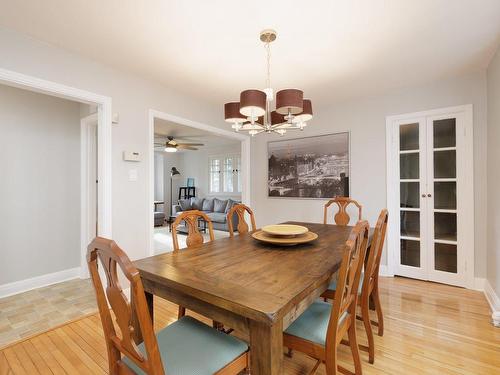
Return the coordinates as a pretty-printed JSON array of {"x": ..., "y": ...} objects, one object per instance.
[
  {"x": 313, "y": 323},
  {"x": 190, "y": 347},
  {"x": 333, "y": 284}
]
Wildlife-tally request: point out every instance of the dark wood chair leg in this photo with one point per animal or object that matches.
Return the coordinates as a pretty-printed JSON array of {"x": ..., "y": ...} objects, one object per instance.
[{"x": 378, "y": 309}]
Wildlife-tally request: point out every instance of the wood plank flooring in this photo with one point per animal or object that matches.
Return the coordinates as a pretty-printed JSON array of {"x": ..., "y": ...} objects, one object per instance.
[{"x": 430, "y": 329}]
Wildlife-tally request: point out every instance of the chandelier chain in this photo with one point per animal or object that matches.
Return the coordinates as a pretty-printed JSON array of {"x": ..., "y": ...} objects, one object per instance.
[{"x": 268, "y": 50}]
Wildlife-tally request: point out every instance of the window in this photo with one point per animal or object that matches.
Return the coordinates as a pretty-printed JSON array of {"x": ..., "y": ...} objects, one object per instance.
[{"x": 225, "y": 174}]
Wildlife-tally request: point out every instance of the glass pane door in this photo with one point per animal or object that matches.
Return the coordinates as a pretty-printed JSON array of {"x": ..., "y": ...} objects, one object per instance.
[
  {"x": 442, "y": 174},
  {"x": 411, "y": 176}
]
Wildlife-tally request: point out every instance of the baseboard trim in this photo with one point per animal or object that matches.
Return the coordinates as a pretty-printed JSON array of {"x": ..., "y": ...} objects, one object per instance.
[
  {"x": 21, "y": 286},
  {"x": 494, "y": 302}
]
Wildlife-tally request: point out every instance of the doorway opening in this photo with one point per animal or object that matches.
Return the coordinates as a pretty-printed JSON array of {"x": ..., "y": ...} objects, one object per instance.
[
  {"x": 51, "y": 195},
  {"x": 195, "y": 165}
]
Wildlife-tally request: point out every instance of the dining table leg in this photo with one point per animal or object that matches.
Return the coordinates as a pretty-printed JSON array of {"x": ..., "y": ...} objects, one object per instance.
[
  {"x": 135, "y": 322},
  {"x": 266, "y": 347}
]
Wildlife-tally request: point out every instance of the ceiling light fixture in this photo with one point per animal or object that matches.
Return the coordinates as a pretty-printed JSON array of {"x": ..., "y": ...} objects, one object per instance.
[
  {"x": 253, "y": 112},
  {"x": 170, "y": 148}
]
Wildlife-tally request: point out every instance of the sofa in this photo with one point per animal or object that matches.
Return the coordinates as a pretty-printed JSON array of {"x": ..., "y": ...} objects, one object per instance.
[{"x": 216, "y": 209}]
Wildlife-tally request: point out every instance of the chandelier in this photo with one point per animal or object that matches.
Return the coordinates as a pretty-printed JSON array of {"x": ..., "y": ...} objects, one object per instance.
[{"x": 253, "y": 112}]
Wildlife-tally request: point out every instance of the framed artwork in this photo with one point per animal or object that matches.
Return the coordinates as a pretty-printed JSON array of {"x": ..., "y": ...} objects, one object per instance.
[
  {"x": 190, "y": 182},
  {"x": 312, "y": 167}
]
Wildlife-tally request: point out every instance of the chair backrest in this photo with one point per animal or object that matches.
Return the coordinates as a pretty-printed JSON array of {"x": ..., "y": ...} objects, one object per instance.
[
  {"x": 349, "y": 275},
  {"x": 194, "y": 237},
  {"x": 341, "y": 217},
  {"x": 110, "y": 255},
  {"x": 372, "y": 264},
  {"x": 242, "y": 227}
]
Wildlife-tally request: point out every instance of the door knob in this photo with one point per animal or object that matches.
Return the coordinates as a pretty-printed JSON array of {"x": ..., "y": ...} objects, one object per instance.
[
  {"x": 429, "y": 195},
  {"x": 423, "y": 195}
]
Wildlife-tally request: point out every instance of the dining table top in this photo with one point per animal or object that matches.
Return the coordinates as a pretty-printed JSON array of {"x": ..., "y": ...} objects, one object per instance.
[{"x": 257, "y": 280}]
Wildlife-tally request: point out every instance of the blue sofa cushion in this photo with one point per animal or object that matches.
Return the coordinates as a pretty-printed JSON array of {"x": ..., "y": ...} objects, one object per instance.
[
  {"x": 185, "y": 204},
  {"x": 219, "y": 205},
  {"x": 188, "y": 346},
  {"x": 217, "y": 217},
  {"x": 197, "y": 203},
  {"x": 208, "y": 205},
  {"x": 312, "y": 325},
  {"x": 230, "y": 204}
]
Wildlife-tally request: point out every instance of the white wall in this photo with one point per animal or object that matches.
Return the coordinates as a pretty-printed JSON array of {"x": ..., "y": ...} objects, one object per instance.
[
  {"x": 132, "y": 98},
  {"x": 365, "y": 119},
  {"x": 39, "y": 185},
  {"x": 493, "y": 223},
  {"x": 195, "y": 164}
]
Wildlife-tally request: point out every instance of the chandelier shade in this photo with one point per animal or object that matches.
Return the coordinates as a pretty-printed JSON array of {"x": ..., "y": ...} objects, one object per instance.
[
  {"x": 277, "y": 118},
  {"x": 254, "y": 112},
  {"x": 306, "y": 114},
  {"x": 289, "y": 101},
  {"x": 253, "y": 103},
  {"x": 232, "y": 113}
]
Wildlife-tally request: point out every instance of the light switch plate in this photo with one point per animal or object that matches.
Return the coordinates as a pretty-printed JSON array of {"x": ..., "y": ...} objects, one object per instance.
[{"x": 132, "y": 175}]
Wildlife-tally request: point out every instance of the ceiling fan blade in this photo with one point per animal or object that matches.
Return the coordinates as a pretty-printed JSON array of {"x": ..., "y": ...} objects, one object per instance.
[
  {"x": 190, "y": 144},
  {"x": 184, "y": 147}
]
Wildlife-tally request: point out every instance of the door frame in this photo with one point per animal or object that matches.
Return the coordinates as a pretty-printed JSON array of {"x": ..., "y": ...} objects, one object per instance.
[
  {"x": 245, "y": 160},
  {"x": 87, "y": 179},
  {"x": 103, "y": 103},
  {"x": 468, "y": 186}
]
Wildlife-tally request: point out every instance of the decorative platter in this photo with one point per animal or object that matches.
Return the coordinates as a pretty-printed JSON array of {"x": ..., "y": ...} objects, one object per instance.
[
  {"x": 285, "y": 230},
  {"x": 262, "y": 236}
]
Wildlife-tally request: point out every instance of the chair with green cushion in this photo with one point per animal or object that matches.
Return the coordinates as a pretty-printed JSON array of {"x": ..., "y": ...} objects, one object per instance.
[
  {"x": 319, "y": 330},
  {"x": 186, "y": 346},
  {"x": 368, "y": 287}
]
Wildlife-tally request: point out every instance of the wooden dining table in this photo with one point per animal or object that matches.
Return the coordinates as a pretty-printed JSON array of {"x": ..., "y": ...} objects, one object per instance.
[{"x": 255, "y": 288}]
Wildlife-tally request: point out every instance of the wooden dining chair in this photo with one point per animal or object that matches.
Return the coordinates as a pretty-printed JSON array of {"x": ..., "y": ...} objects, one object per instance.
[
  {"x": 368, "y": 289},
  {"x": 171, "y": 350},
  {"x": 240, "y": 209},
  {"x": 341, "y": 217},
  {"x": 194, "y": 237},
  {"x": 192, "y": 219},
  {"x": 319, "y": 330}
]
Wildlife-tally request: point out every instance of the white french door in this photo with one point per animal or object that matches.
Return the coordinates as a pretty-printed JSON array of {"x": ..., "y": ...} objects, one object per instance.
[{"x": 430, "y": 195}]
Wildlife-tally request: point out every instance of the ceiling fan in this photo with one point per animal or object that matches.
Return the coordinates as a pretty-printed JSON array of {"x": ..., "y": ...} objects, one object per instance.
[{"x": 171, "y": 145}]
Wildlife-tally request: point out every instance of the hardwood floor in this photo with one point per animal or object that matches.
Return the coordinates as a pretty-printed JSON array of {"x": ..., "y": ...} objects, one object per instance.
[{"x": 429, "y": 329}]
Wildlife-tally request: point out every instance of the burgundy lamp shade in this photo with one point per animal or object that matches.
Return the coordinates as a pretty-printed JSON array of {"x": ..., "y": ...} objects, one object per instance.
[
  {"x": 232, "y": 113},
  {"x": 277, "y": 118},
  {"x": 253, "y": 103},
  {"x": 289, "y": 100},
  {"x": 307, "y": 112}
]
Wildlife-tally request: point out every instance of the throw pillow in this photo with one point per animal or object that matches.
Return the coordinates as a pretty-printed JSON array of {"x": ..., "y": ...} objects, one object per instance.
[
  {"x": 208, "y": 205},
  {"x": 197, "y": 203},
  {"x": 230, "y": 204},
  {"x": 185, "y": 204},
  {"x": 219, "y": 205}
]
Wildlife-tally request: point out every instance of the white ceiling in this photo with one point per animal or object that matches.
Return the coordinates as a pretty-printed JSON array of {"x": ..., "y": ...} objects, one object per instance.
[
  {"x": 186, "y": 134},
  {"x": 330, "y": 48}
]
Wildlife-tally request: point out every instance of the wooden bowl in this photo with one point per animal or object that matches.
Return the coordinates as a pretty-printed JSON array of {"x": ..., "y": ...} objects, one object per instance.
[
  {"x": 285, "y": 230},
  {"x": 284, "y": 241}
]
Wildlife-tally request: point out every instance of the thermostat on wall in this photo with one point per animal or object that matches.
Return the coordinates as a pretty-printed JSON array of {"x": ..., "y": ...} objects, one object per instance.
[{"x": 131, "y": 156}]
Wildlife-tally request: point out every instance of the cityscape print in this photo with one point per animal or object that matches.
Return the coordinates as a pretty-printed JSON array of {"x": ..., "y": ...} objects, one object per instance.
[{"x": 312, "y": 167}]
